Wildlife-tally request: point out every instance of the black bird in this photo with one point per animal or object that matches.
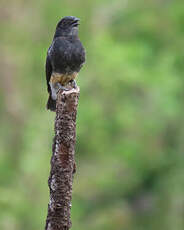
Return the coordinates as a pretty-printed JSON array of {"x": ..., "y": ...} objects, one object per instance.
[{"x": 65, "y": 57}]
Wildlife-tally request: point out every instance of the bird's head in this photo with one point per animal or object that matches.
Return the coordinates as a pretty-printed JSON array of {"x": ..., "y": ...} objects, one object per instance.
[
  {"x": 68, "y": 22},
  {"x": 68, "y": 26}
]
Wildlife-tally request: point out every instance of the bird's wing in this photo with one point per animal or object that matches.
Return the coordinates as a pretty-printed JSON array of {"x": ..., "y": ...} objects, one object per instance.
[{"x": 48, "y": 70}]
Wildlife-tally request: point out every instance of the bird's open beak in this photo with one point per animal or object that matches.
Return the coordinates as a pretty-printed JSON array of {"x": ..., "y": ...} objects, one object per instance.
[{"x": 76, "y": 22}]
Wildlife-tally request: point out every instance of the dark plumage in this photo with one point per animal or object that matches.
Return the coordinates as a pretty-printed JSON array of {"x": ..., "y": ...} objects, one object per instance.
[{"x": 65, "y": 58}]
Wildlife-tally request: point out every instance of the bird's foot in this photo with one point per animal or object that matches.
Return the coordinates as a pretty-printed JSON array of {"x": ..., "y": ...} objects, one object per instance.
[
  {"x": 59, "y": 86},
  {"x": 73, "y": 84}
]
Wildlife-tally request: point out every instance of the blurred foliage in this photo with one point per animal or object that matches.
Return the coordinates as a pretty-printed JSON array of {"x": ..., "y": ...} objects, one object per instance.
[{"x": 130, "y": 127}]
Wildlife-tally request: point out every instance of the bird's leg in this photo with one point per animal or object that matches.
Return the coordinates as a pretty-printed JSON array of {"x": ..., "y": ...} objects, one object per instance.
[{"x": 73, "y": 83}]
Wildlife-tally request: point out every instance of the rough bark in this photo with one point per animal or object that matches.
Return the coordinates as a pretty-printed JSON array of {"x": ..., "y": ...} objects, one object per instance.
[{"x": 62, "y": 161}]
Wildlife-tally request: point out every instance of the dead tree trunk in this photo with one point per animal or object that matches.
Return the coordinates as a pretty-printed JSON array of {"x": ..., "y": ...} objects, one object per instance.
[{"x": 62, "y": 161}]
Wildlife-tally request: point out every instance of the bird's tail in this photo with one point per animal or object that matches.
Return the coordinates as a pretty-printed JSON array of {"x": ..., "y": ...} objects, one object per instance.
[{"x": 51, "y": 104}]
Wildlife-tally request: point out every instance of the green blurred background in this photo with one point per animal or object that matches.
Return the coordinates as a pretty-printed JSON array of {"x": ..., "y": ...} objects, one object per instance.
[{"x": 130, "y": 123}]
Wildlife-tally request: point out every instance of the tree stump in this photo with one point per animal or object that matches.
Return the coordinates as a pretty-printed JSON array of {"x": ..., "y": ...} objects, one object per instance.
[{"x": 62, "y": 161}]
